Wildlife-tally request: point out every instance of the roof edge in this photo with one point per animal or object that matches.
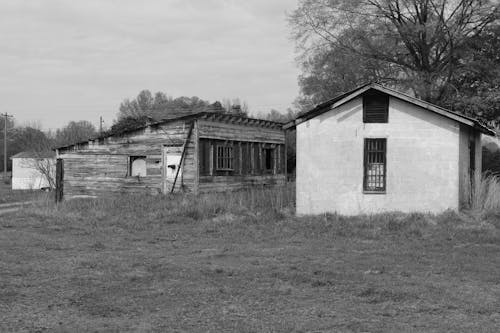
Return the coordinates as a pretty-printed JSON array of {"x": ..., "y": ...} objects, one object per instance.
[
  {"x": 346, "y": 97},
  {"x": 169, "y": 120}
]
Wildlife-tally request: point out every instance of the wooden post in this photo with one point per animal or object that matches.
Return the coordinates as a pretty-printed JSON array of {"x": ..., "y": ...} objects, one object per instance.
[
  {"x": 240, "y": 164},
  {"x": 276, "y": 159},
  {"x": 163, "y": 171},
  {"x": 285, "y": 156},
  {"x": 252, "y": 159},
  {"x": 59, "y": 180},
  {"x": 211, "y": 158},
  {"x": 182, "y": 156},
  {"x": 196, "y": 158},
  {"x": 259, "y": 147}
]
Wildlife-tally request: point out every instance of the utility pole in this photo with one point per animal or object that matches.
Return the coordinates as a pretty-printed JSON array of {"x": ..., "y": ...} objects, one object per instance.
[{"x": 6, "y": 118}]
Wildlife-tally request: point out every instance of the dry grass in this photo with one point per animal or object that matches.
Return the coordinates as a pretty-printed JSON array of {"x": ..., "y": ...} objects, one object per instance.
[
  {"x": 241, "y": 262},
  {"x": 485, "y": 196},
  {"x": 8, "y": 196}
]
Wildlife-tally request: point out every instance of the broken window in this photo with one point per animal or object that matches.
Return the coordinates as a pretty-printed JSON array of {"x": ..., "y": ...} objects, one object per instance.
[
  {"x": 137, "y": 166},
  {"x": 375, "y": 167}
]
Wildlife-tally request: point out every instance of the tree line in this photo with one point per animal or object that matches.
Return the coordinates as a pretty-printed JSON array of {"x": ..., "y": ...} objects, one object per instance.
[
  {"x": 32, "y": 138},
  {"x": 132, "y": 113},
  {"x": 442, "y": 51}
]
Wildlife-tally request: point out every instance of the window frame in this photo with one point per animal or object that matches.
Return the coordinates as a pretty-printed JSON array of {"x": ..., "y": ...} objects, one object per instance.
[
  {"x": 365, "y": 107},
  {"x": 271, "y": 152},
  {"x": 131, "y": 159},
  {"x": 366, "y": 152},
  {"x": 227, "y": 158}
]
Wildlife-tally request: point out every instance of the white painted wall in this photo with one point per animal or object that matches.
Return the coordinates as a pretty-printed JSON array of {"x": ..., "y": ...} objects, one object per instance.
[
  {"x": 422, "y": 161},
  {"x": 26, "y": 176}
]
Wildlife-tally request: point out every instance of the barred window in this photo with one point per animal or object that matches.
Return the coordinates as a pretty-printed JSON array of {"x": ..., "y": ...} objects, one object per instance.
[
  {"x": 224, "y": 158},
  {"x": 375, "y": 167}
]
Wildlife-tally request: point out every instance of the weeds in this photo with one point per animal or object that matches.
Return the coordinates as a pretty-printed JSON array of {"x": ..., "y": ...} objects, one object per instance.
[
  {"x": 262, "y": 212},
  {"x": 483, "y": 196}
]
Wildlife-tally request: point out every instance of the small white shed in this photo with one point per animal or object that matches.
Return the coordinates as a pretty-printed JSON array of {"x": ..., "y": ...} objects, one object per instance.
[
  {"x": 33, "y": 170},
  {"x": 374, "y": 149}
]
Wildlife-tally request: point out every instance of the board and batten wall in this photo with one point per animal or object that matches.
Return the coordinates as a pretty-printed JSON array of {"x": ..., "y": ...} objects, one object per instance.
[
  {"x": 423, "y": 161},
  {"x": 103, "y": 166},
  {"x": 257, "y": 136}
]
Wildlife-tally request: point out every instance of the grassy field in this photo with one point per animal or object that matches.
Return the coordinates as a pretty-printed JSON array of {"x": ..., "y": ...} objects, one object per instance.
[
  {"x": 8, "y": 196},
  {"x": 244, "y": 263}
]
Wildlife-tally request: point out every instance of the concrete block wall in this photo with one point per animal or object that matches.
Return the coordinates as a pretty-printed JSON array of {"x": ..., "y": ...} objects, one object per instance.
[{"x": 422, "y": 161}]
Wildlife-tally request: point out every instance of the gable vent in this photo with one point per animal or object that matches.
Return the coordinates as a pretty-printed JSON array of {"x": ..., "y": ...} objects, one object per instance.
[{"x": 375, "y": 107}]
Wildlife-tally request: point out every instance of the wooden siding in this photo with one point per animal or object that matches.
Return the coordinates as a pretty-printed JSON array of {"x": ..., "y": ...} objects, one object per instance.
[
  {"x": 231, "y": 183},
  {"x": 244, "y": 153},
  {"x": 247, "y": 143},
  {"x": 222, "y": 131},
  {"x": 102, "y": 167}
]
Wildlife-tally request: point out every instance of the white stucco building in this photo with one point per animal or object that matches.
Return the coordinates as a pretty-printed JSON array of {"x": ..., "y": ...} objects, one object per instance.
[
  {"x": 374, "y": 149},
  {"x": 30, "y": 170}
]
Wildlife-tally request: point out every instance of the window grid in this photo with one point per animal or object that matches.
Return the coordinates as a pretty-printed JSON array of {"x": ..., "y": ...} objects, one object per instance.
[
  {"x": 375, "y": 165},
  {"x": 224, "y": 158}
]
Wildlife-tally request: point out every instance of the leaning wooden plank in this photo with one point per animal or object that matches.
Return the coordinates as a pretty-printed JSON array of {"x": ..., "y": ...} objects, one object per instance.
[{"x": 182, "y": 156}]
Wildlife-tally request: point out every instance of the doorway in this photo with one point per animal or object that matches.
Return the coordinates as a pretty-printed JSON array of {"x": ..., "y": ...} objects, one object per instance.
[{"x": 171, "y": 157}]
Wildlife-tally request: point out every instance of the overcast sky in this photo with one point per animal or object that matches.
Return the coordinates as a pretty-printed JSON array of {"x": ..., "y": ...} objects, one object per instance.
[{"x": 63, "y": 60}]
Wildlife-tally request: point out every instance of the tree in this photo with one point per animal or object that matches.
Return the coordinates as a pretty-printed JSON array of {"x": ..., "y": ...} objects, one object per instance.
[
  {"x": 235, "y": 106},
  {"x": 160, "y": 106},
  {"x": 75, "y": 131},
  {"x": 277, "y": 116},
  {"x": 30, "y": 139},
  {"x": 478, "y": 83},
  {"x": 128, "y": 123},
  {"x": 415, "y": 44},
  {"x": 332, "y": 70}
]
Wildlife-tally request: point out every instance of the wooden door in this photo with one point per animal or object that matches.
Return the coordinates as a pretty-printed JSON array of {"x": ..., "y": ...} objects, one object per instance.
[{"x": 171, "y": 168}]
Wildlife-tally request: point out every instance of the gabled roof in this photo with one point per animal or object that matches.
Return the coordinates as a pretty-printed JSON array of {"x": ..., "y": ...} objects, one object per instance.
[
  {"x": 206, "y": 115},
  {"x": 348, "y": 96},
  {"x": 34, "y": 154}
]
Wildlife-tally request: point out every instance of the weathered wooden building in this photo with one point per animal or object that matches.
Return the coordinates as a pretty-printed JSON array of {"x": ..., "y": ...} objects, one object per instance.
[{"x": 202, "y": 152}]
